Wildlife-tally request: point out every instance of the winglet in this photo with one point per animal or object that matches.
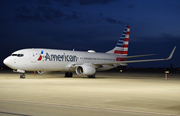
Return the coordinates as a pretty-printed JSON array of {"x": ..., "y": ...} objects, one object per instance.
[{"x": 170, "y": 56}]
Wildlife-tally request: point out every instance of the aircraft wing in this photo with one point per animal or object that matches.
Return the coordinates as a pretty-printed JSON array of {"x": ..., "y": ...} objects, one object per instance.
[{"x": 133, "y": 61}]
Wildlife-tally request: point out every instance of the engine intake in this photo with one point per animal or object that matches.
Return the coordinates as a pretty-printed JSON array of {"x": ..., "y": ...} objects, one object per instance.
[{"x": 85, "y": 70}]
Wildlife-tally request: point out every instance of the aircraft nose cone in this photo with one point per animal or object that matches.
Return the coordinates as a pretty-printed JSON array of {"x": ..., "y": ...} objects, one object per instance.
[{"x": 6, "y": 61}]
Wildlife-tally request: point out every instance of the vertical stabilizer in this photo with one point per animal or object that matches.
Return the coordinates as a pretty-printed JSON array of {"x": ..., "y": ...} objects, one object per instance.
[{"x": 122, "y": 45}]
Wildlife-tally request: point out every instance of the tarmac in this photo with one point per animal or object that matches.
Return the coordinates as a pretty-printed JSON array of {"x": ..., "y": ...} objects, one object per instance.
[{"x": 109, "y": 94}]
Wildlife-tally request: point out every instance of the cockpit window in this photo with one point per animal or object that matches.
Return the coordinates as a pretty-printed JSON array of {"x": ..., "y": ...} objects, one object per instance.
[
  {"x": 14, "y": 55},
  {"x": 18, "y": 55}
]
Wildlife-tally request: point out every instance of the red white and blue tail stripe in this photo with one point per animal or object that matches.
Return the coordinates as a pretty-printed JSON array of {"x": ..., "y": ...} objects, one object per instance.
[{"x": 122, "y": 45}]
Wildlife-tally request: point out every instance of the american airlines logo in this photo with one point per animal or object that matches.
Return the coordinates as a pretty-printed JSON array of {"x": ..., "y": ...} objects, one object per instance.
[{"x": 66, "y": 58}]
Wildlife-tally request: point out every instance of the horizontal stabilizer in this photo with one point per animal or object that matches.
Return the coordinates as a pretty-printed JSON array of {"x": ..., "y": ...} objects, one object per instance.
[
  {"x": 133, "y": 61},
  {"x": 139, "y": 56}
]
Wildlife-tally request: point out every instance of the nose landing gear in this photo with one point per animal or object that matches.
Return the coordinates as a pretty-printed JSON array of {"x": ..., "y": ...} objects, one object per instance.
[{"x": 22, "y": 76}]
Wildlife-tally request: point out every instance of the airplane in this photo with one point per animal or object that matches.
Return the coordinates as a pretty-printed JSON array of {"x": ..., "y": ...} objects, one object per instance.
[{"x": 83, "y": 63}]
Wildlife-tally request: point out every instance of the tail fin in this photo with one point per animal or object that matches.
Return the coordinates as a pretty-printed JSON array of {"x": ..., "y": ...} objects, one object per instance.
[{"x": 122, "y": 45}]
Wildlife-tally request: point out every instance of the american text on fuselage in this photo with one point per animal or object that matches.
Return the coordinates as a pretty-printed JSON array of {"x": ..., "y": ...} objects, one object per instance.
[{"x": 57, "y": 57}]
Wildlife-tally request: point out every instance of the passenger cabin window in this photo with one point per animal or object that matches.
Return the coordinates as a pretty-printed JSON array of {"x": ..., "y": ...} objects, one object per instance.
[{"x": 18, "y": 55}]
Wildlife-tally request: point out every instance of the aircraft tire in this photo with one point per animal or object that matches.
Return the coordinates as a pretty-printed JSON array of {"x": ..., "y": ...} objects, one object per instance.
[
  {"x": 22, "y": 76},
  {"x": 92, "y": 76},
  {"x": 68, "y": 74}
]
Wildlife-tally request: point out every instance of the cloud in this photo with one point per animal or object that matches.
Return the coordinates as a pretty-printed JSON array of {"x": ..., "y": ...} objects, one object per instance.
[
  {"x": 89, "y": 2},
  {"x": 25, "y": 16},
  {"x": 24, "y": 10},
  {"x": 169, "y": 37},
  {"x": 78, "y": 17},
  {"x": 66, "y": 3},
  {"x": 39, "y": 14},
  {"x": 165, "y": 37},
  {"x": 110, "y": 20},
  {"x": 48, "y": 13},
  {"x": 44, "y": 13},
  {"x": 38, "y": 2},
  {"x": 44, "y": 10},
  {"x": 44, "y": 2}
]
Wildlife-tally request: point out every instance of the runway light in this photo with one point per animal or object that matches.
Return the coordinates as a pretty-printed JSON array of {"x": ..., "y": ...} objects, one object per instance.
[{"x": 166, "y": 73}]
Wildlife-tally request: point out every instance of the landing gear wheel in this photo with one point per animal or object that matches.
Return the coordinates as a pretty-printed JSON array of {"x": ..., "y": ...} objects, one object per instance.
[
  {"x": 92, "y": 76},
  {"x": 68, "y": 74},
  {"x": 22, "y": 76}
]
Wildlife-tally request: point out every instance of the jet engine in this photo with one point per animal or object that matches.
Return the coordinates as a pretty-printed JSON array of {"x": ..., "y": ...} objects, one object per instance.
[{"x": 85, "y": 70}]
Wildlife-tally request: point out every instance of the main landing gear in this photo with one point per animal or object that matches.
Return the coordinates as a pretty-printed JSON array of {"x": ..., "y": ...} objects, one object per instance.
[
  {"x": 91, "y": 76},
  {"x": 68, "y": 74},
  {"x": 22, "y": 76}
]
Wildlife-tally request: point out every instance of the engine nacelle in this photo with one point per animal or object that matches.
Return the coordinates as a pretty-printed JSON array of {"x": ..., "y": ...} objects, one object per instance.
[
  {"x": 85, "y": 70},
  {"x": 45, "y": 72}
]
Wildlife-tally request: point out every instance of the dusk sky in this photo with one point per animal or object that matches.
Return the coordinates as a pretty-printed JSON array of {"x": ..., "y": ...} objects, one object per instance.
[{"x": 92, "y": 24}]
